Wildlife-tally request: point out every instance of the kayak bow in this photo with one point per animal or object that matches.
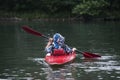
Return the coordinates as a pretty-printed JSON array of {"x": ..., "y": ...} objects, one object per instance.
[{"x": 60, "y": 59}]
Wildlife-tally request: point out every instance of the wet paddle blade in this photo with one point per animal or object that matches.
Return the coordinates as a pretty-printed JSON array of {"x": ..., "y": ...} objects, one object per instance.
[
  {"x": 31, "y": 31},
  {"x": 90, "y": 55}
]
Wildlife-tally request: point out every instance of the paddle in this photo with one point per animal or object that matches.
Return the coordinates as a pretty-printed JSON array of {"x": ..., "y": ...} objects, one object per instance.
[
  {"x": 88, "y": 54},
  {"x": 31, "y": 31}
]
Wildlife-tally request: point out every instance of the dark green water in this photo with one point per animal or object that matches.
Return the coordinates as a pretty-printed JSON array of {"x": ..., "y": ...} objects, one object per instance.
[{"x": 22, "y": 54}]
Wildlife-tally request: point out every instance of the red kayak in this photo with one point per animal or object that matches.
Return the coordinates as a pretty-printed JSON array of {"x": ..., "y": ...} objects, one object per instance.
[{"x": 59, "y": 57}]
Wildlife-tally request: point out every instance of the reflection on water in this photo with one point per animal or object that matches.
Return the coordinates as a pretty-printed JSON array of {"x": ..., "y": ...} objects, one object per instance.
[
  {"x": 99, "y": 68},
  {"x": 63, "y": 72},
  {"x": 106, "y": 65}
]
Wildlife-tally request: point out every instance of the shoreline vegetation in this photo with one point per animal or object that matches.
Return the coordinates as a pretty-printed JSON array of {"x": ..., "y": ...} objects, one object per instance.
[
  {"x": 57, "y": 19},
  {"x": 11, "y": 16},
  {"x": 80, "y": 10}
]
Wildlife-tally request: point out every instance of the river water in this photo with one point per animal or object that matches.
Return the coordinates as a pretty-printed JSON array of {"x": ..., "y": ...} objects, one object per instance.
[{"x": 22, "y": 54}]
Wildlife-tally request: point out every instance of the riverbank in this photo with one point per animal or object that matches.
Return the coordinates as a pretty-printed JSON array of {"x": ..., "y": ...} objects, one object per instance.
[
  {"x": 18, "y": 16},
  {"x": 13, "y": 16},
  {"x": 58, "y": 19}
]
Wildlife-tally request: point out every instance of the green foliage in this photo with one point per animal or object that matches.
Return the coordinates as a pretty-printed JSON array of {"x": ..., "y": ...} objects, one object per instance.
[
  {"x": 59, "y": 8},
  {"x": 90, "y": 7}
]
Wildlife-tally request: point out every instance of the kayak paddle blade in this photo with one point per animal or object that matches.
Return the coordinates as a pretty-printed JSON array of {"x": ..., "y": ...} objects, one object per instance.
[
  {"x": 31, "y": 31},
  {"x": 90, "y": 55}
]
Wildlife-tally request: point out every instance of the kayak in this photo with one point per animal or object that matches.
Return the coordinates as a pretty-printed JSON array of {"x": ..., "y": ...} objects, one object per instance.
[{"x": 59, "y": 57}]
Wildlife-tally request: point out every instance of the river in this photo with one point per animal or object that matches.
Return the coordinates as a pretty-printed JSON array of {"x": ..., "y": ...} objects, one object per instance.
[{"x": 22, "y": 54}]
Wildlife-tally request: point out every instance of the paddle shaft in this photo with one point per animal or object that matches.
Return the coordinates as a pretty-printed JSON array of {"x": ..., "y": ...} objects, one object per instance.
[
  {"x": 80, "y": 51},
  {"x": 45, "y": 36}
]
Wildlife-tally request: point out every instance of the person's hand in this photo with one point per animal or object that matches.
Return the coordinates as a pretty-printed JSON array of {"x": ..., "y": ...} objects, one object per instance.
[
  {"x": 74, "y": 49},
  {"x": 50, "y": 40}
]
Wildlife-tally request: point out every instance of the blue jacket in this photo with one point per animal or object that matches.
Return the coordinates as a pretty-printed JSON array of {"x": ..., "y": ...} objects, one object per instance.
[{"x": 58, "y": 42}]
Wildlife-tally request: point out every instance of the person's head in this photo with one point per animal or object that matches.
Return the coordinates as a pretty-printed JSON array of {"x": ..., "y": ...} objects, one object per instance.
[{"x": 58, "y": 38}]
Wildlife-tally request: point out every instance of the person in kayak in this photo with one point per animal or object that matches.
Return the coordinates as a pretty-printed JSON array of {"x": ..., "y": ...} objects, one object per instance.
[{"x": 57, "y": 42}]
